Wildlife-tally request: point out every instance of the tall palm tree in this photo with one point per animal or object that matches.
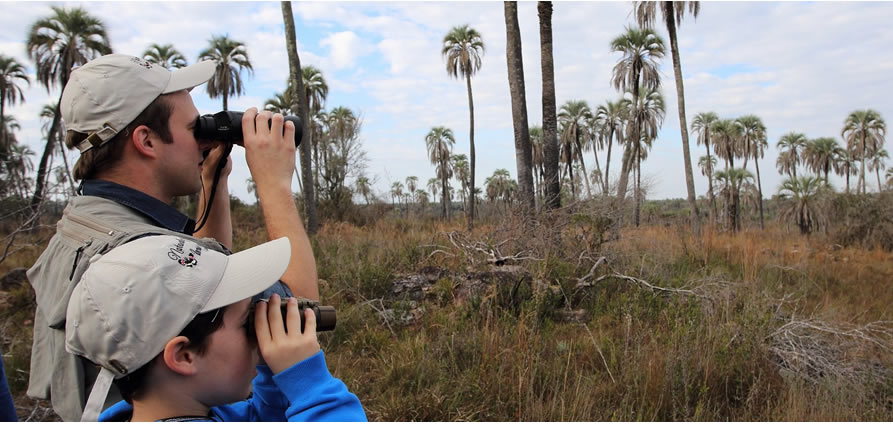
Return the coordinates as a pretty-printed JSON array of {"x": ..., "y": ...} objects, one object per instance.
[
  {"x": 232, "y": 58},
  {"x": 707, "y": 163},
  {"x": 803, "y": 196},
  {"x": 295, "y": 80},
  {"x": 432, "y": 186},
  {"x": 364, "y": 188},
  {"x": 538, "y": 159},
  {"x": 515, "y": 65},
  {"x": 459, "y": 164},
  {"x": 672, "y": 13},
  {"x": 316, "y": 90},
  {"x": 754, "y": 143},
  {"x": 650, "y": 112},
  {"x": 877, "y": 164},
  {"x": 165, "y": 55},
  {"x": 702, "y": 124},
  {"x": 58, "y": 43},
  {"x": 845, "y": 164},
  {"x": 281, "y": 103},
  {"x": 21, "y": 166},
  {"x": 412, "y": 183},
  {"x": 730, "y": 182},
  {"x": 638, "y": 69},
  {"x": 396, "y": 192},
  {"x": 12, "y": 75},
  {"x": 790, "y": 148},
  {"x": 439, "y": 142},
  {"x": 863, "y": 131},
  {"x": 552, "y": 193},
  {"x": 462, "y": 49},
  {"x": 611, "y": 118},
  {"x": 573, "y": 117},
  {"x": 820, "y": 154}
]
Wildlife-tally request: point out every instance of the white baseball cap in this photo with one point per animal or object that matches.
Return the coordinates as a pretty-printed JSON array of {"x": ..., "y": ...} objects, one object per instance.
[
  {"x": 106, "y": 94},
  {"x": 131, "y": 301}
]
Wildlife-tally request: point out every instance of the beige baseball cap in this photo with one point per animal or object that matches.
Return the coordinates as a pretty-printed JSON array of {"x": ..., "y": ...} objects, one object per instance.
[
  {"x": 132, "y": 300},
  {"x": 104, "y": 95}
]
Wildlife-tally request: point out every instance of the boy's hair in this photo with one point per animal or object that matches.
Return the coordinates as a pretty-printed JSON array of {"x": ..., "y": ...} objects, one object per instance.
[
  {"x": 156, "y": 116},
  {"x": 203, "y": 325}
]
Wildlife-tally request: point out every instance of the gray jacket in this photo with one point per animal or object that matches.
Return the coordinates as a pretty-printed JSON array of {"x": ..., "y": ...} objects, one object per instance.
[{"x": 89, "y": 226}]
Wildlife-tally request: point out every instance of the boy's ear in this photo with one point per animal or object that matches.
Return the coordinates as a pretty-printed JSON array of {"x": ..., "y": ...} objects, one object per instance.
[
  {"x": 144, "y": 141},
  {"x": 179, "y": 358}
]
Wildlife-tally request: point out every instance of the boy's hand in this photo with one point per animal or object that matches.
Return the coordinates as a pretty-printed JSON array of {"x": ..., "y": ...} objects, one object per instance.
[{"x": 279, "y": 348}]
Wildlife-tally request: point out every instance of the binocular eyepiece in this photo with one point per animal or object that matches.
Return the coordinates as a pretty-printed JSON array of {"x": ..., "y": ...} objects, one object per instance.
[
  {"x": 325, "y": 315},
  {"x": 226, "y": 126}
]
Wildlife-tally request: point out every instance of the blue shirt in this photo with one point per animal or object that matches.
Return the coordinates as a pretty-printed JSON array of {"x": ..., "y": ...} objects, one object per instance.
[
  {"x": 304, "y": 392},
  {"x": 7, "y": 409}
]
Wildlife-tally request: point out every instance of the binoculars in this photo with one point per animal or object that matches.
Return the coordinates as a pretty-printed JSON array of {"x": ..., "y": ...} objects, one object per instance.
[
  {"x": 226, "y": 126},
  {"x": 325, "y": 315}
]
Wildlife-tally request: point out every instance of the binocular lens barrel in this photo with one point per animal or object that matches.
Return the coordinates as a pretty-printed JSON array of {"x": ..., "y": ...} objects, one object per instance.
[
  {"x": 326, "y": 319},
  {"x": 226, "y": 126}
]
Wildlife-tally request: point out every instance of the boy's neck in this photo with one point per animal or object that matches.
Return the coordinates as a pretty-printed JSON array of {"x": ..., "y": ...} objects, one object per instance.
[{"x": 151, "y": 408}]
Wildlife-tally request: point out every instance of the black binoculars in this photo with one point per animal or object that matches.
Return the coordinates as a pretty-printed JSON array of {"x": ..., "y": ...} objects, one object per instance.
[
  {"x": 325, "y": 315},
  {"x": 226, "y": 126}
]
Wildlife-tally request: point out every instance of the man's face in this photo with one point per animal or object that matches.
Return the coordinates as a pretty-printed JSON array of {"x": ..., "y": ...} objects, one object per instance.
[
  {"x": 228, "y": 365},
  {"x": 181, "y": 160}
]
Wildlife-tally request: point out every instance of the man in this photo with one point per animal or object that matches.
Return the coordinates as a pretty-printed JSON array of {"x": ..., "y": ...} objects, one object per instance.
[{"x": 134, "y": 125}]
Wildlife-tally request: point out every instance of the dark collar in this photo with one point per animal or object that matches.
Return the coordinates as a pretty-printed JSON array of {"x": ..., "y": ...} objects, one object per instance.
[{"x": 162, "y": 213}]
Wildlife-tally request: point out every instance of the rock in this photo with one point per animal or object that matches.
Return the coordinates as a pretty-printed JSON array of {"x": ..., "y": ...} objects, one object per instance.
[
  {"x": 569, "y": 315},
  {"x": 411, "y": 287},
  {"x": 14, "y": 279}
]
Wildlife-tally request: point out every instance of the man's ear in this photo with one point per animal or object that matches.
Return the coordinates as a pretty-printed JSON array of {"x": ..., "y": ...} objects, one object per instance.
[
  {"x": 144, "y": 141},
  {"x": 179, "y": 358}
]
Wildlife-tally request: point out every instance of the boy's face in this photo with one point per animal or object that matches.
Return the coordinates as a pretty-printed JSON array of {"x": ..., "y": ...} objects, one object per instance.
[{"x": 228, "y": 365}]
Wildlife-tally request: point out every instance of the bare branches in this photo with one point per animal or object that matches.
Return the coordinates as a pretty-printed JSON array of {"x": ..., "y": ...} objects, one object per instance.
[
  {"x": 492, "y": 252},
  {"x": 588, "y": 281}
]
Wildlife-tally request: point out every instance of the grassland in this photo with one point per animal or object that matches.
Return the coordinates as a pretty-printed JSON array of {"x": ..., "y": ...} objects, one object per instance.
[{"x": 759, "y": 325}]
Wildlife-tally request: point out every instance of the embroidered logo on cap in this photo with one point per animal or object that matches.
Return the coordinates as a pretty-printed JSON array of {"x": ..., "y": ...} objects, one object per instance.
[
  {"x": 141, "y": 62},
  {"x": 178, "y": 253}
]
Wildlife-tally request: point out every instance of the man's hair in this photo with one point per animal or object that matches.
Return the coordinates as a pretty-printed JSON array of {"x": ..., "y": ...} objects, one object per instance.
[
  {"x": 156, "y": 117},
  {"x": 197, "y": 331}
]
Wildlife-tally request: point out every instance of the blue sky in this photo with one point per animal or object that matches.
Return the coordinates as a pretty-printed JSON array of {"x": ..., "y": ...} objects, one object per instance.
[{"x": 799, "y": 66}]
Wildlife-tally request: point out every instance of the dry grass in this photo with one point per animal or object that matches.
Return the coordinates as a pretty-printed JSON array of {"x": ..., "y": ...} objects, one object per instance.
[{"x": 760, "y": 301}]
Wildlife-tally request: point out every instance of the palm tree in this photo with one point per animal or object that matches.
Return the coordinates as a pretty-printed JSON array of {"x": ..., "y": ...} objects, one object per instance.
[
  {"x": 877, "y": 164},
  {"x": 396, "y": 192},
  {"x": 538, "y": 159},
  {"x": 790, "y": 148},
  {"x": 863, "y": 131},
  {"x": 638, "y": 69},
  {"x": 432, "y": 186},
  {"x": 702, "y": 124},
  {"x": 21, "y": 166},
  {"x": 364, "y": 188},
  {"x": 889, "y": 177},
  {"x": 412, "y": 183},
  {"x": 804, "y": 196},
  {"x": 12, "y": 74},
  {"x": 281, "y": 103},
  {"x": 672, "y": 13},
  {"x": 650, "y": 113},
  {"x": 439, "y": 142},
  {"x": 459, "y": 164},
  {"x": 232, "y": 58},
  {"x": 730, "y": 182},
  {"x": 165, "y": 55},
  {"x": 552, "y": 192},
  {"x": 707, "y": 163},
  {"x": 611, "y": 117},
  {"x": 754, "y": 143},
  {"x": 519, "y": 109},
  {"x": 462, "y": 49},
  {"x": 820, "y": 154},
  {"x": 295, "y": 80},
  {"x": 573, "y": 118},
  {"x": 845, "y": 163},
  {"x": 58, "y": 43}
]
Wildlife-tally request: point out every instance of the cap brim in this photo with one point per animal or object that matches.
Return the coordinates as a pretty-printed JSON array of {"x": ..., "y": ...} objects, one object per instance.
[
  {"x": 249, "y": 272},
  {"x": 191, "y": 76}
]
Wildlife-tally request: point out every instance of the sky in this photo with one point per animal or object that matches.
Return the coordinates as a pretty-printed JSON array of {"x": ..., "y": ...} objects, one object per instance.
[{"x": 800, "y": 66}]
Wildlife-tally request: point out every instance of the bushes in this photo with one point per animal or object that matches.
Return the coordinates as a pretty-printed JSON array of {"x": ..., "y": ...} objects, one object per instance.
[{"x": 863, "y": 220}]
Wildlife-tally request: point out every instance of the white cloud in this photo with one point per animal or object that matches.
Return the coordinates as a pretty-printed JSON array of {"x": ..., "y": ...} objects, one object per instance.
[{"x": 345, "y": 47}]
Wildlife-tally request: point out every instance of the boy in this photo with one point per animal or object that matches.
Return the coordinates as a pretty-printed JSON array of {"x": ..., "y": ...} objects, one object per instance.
[{"x": 165, "y": 318}]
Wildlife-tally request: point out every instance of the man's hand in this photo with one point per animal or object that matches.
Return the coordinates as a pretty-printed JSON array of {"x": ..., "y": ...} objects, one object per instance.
[
  {"x": 279, "y": 348},
  {"x": 270, "y": 153}
]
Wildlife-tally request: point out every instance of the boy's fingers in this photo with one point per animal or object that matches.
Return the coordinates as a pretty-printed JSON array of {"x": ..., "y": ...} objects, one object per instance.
[
  {"x": 261, "y": 328},
  {"x": 274, "y": 314},
  {"x": 309, "y": 321},
  {"x": 293, "y": 317}
]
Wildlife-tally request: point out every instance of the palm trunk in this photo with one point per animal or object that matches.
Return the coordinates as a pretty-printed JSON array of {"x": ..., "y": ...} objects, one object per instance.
[
  {"x": 67, "y": 169},
  {"x": 608, "y": 161},
  {"x": 638, "y": 182},
  {"x": 515, "y": 64},
  {"x": 862, "y": 175},
  {"x": 878, "y": 172},
  {"x": 710, "y": 179},
  {"x": 634, "y": 136},
  {"x": 760, "y": 188},
  {"x": 40, "y": 182},
  {"x": 680, "y": 96},
  {"x": 294, "y": 62},
  {"x": 471, "y": 147},
  {"x": 552, "y": 191},
  {"x": 579, "y": 150}
]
